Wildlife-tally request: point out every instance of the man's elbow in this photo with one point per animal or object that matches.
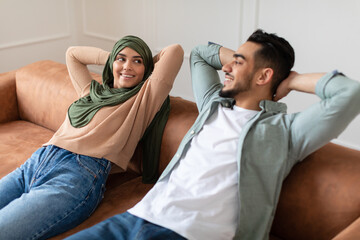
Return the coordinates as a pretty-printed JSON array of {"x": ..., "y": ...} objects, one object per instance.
[
  {"x": 354, "y": 92},
  {"x": 195, "y": 52},
  {"x": 353, "y": 99}
]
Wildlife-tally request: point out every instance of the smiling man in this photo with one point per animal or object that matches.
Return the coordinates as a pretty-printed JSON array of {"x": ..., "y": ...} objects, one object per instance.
[
  {"x": 225, "y": 179},
  {"x": 232, "y": 88}
]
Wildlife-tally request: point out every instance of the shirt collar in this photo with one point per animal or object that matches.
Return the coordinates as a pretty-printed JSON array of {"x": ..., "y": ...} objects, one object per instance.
[
  {"x": 228, "y": 103},
  {"x": 271, "y": 106},
  {"x": 266, "y": 105}
]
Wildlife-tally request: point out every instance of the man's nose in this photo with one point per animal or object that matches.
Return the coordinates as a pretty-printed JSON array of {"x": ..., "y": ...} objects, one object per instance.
[{"x": 226, "y": 68}]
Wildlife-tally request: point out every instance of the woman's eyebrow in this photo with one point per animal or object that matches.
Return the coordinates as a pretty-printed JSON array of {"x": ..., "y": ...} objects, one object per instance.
[{"x": 124, "y": 55}]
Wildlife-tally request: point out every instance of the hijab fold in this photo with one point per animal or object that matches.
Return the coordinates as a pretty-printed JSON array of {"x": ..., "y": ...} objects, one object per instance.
[{"x": 101, "y": 95}]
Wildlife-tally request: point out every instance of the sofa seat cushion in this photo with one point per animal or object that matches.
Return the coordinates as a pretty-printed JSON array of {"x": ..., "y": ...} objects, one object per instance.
[{"x": 19, "y": 139}]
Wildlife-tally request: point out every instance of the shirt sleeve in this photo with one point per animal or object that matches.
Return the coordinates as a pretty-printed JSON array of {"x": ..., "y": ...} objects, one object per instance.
[
  {"x": 325, "y": 120},
  {"x": 204, "y": 64},
  {"x": 77, "y": 59}
]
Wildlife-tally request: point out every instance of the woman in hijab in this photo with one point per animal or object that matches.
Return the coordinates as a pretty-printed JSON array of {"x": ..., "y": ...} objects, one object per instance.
[{"x": 62, "y": 183}]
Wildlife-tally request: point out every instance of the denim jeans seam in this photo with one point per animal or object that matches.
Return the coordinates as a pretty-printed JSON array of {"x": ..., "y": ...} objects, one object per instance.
[
  {"x": 141, "y": 230},
  {"x": 83, "y": 202},
  {"x": 108, "y": 167},
  {"x": 41, "y": 166},
  {"x": 105, "y": 175},
  {"x": 99, "y": 199}
]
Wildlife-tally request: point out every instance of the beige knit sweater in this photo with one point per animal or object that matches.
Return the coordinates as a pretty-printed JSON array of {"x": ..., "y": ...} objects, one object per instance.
[{"x": 114, "y": 131}]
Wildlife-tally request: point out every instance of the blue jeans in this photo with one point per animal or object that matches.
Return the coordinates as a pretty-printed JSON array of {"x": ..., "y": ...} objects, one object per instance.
[
  {"x": 52, "y": 192},
  {"x": 126, "y": 226}
]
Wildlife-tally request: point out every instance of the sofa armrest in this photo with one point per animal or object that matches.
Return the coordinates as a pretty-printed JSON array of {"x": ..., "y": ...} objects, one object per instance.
[
  {"x": 351, "y": 232},
  {"x": 8, "y": 101}
]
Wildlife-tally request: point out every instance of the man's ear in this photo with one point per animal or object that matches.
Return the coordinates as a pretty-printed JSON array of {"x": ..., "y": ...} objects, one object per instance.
[{"x": 265, "y": 76}]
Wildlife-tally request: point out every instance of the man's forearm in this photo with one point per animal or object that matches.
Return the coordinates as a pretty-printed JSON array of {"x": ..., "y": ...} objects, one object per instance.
[
  {"x": 298, "y": 82},
  {"x": 226, "y": 55},
  {"x": 305, "y": 82}
]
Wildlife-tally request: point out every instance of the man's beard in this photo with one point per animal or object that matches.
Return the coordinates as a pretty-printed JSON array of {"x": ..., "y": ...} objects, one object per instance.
[
  {"x": 228, "y": 93},
  {"x": 231, "y": 93}
]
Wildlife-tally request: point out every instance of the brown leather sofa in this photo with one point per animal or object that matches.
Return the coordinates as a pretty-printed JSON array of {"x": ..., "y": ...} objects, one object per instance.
[{"x": 320, "y": 199}]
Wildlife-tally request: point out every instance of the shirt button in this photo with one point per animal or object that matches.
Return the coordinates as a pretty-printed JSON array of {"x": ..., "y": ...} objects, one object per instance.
[
  {"x": 192, "y": 132},
  {"x": 177, "y": 155}
]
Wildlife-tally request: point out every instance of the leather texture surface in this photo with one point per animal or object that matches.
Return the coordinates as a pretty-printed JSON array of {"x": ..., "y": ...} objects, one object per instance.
[{"x": 8, "y": 101}]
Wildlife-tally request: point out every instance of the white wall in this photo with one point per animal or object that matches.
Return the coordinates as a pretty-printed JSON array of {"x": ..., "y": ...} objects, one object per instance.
[
  {"x": 34, "y": 30},
  {"x": 324, "y": 33}
]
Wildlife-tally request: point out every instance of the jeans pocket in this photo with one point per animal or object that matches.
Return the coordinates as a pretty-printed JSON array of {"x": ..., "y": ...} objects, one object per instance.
[{"x": 88, "y": 164}]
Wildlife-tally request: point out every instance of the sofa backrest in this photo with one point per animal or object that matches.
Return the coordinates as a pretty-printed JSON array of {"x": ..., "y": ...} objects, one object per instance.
[
  {"x": 321, "y": 196},
  {"x": 183, "y": 114},
  {"x": 44, "y": 93},
  {"x": 8, "y": 104}
]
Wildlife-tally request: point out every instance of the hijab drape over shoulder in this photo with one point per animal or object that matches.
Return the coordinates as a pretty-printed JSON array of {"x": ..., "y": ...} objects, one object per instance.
[{"x": 83, "y": 110}]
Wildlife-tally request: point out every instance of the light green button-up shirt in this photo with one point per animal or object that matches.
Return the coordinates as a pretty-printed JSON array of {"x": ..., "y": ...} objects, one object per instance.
[{"x": 273, "y": 141}]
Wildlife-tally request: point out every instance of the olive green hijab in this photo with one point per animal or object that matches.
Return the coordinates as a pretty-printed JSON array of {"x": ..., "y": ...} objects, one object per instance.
[{"x": 83, "y": 110}]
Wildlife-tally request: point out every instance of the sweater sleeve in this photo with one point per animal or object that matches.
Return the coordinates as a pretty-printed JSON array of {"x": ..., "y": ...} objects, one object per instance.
[
  {"x": 77, "y": 59},
  {"x": 167, "y": 65},
  {"x": 158, "y": 86}
]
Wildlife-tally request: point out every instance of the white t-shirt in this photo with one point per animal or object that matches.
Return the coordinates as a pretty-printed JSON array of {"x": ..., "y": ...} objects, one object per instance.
[{"x": 199, "y": 199}]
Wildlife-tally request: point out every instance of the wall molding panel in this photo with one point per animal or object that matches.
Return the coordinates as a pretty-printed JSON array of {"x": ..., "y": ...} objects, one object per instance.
[
  {"x": 88, "y": 32},
  {"x": 137, "y": 19},
  {"x": 35, "y": 40},
  {"x": 43, "y": 29},
  {"x": 46, "y": 33},
  {"x": 249, "y": 18}
]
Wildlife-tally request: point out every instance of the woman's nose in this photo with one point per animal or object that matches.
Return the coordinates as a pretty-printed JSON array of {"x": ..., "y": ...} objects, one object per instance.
[{"x": 127, "y": 65}]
